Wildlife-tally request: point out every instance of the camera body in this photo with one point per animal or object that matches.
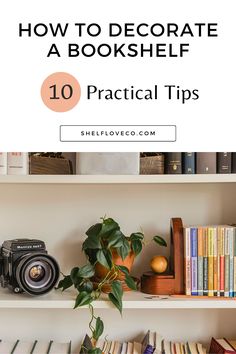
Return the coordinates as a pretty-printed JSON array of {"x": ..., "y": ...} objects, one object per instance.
[{"x": 25, "y": 266}]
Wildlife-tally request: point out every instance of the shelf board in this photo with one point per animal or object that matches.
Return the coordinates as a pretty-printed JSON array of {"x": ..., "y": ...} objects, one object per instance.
[
  {"x": 131, "y": 300},
  {"x": 118, "y": 179}
]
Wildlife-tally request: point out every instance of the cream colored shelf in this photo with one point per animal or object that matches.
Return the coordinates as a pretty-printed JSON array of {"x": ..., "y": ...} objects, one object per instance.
[
  {"x": 118, "y": 179},
  {"x": 131, "y": 300}
]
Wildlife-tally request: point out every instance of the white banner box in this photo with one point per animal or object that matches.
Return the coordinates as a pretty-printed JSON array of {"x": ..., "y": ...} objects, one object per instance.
[{"x": 107, "y": 163}]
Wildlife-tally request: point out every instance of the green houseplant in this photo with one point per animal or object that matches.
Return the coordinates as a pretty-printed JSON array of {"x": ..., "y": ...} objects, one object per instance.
[{"x": 110, "y": 256}]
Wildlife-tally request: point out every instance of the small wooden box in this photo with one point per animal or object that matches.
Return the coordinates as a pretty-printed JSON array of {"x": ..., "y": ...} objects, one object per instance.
[{"x": 40, "y": 165}]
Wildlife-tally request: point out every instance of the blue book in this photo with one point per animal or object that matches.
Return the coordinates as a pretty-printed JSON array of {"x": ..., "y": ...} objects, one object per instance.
[
  {"x": 194, "y": 241},
  {"x": 149, "y": 349},
  {"x": 189, "y": 163}
]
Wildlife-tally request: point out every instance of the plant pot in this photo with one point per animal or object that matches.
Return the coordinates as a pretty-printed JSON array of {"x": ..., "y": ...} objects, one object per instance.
[{"x": 101, "y": 271}]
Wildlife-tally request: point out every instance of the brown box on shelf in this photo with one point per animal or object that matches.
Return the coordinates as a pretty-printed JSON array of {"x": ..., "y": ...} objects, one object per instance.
[
  {"x": 152, "y": 165},
  {"x": 40, "y": 165}
]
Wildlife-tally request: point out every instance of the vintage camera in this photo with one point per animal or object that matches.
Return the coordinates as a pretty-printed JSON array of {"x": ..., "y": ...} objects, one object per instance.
[{"x": 26, "y": 266}]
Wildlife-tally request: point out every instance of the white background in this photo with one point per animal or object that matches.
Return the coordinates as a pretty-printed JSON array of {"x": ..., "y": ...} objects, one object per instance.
[{"x": 204, "y": 125}]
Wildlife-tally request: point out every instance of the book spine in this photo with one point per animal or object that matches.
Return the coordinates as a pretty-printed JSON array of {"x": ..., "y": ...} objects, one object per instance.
[
  {"x": 3, "y": 163},
  {"x": 215, "y": 263},
  {"x": 187, "y": 261},
  {"x": 227, "y": 261},
  {"x": 231, "y": 261},
  {"x": 233, "y": 162},
  {"x": 221, "y": 253},
  {"x": 189, "y": 163},
  {"x": 17, "y": 163},
  {"x": 224, "y": 162},
  {"x": 194, "y": 282},
  {"x": 206, "y": 162},
  {"x": 234, "y": 294},
  {"x": 173, "y": 162},
  {"x": 205, "y": 262},
  {"x": 210, "y": 263},
  {"x": 200, "y": 261}
]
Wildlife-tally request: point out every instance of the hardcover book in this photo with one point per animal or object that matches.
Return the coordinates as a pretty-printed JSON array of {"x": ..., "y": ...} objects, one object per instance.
[
  {"x": 221, "y": 346},
  {"x": 194, "y": 270},
  {"x": 189, "y": 162},
  {"x": 206, "y": 162},
  {"x": 233, "y": 162},
  {"x": 3, "y": 163},
  {"x": 17, "y": 163},
  {"x": 173, "y": 162},
  {"x": 224, "y": 162}
]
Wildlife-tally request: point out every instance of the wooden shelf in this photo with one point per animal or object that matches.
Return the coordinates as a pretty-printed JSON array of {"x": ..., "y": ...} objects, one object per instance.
[
  {"x": 132, "y": 300},
  {"x": 118, "y": 179}
]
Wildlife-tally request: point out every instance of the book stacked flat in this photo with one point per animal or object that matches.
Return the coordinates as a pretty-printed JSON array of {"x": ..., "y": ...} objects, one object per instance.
[
  {"x": 222, "y": 346},
  {"x": 210, "y": 260},
  {"x": 34, "y": 347}
]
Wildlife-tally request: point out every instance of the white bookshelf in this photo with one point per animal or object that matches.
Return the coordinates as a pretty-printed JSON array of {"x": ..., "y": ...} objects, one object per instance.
[
  {"x": 131, "y": 300},
  {"x": 118, "y": 179},
  {"x": 59, "y": 209}
]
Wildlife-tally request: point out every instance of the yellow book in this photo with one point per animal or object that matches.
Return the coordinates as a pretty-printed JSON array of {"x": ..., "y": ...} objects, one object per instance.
[{"x": 210, "y": 262}]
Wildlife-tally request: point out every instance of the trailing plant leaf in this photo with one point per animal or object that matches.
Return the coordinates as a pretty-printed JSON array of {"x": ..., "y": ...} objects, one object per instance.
[
  {"x": 123, "y": 269},
  {"x": 160, "y": 241},
  {"x": 136, "y": 246},
  {"x": 83, "y": 299},
  {"x": 76, "y": 279},
  {"x": 130, "y": 282},
  {"x": 137, "y": 236},
  {"x": 65, "y": 283},
  {"x": 116, "y": 295},
  {"x": 87, "y": 271},
  {"x": 108, "y": 225},
  {"x": 115, "y": 239},
  {"x": 99, "y": 328},
  {"x": 95, "y": 351},
  {"x": 92, "y": 243},
  {"x": 104, "y": 257},
  {"x": 86, "y": 286},
  {"x": 124, "y": 250},
  {"x": 94, "y": 230}
]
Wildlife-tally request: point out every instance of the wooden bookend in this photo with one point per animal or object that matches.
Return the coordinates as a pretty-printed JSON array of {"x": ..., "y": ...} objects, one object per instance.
[{"x": 171, "y": 282}]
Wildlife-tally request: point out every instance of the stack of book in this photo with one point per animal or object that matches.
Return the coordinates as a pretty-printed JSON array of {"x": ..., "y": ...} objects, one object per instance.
[
  {"x": 153, "y": 343},
  {"x": 210, "y": 260},
  {"x": 34, "y": 347},
  {"x": 222, "y": 346}
]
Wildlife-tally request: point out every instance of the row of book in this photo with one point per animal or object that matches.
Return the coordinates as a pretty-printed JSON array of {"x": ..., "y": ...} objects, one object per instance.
[
  {"x": 35, "y": 347},
  {"x": 152, "y": 343},
  {"x": 20, "y": 163},
  {"x": 210, "y": 260},
  {"x": 196, "y": 163}
]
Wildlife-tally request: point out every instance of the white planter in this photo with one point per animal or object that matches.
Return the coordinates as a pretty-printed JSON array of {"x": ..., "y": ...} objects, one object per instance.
[{"x": 107, "y": 163}]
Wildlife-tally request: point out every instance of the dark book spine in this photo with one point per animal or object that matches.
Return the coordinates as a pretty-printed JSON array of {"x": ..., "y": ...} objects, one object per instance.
[
  {"x": 206, "y": 162},
  {"x": 188, "y": 160},
  {"x": 233, "y": 162},
  {"x": 224, "y": 162},
  {"x": 173, "y": 162}
]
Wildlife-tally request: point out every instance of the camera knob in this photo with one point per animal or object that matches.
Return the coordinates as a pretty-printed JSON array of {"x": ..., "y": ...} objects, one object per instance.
[{"x": 16, "y": 290}]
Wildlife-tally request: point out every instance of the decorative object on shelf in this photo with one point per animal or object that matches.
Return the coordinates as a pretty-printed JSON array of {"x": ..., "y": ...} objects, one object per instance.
[
  {"x": 25, "y": 266},
  {"x": 159, "y": 264},
  {"x": 151, "y": 163},
  {"x": 110, "y": 254},
  {"x": 49, "y": 163},
  {"x": 173, "y": 281},
  {"x": 107, "y": 163}
]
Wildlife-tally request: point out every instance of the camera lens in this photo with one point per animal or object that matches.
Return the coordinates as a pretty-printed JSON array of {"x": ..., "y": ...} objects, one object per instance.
[{"x": 37, "y": 274}]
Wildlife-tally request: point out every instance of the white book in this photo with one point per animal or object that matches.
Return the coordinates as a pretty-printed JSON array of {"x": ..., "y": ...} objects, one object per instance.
[
  {"x": 24, "y": 347},
  {"x": 178, "y": 348},
  {"x": 124, "y": 348},
  {"x": 137, "y": 348},
  {"x": 41, "y": 347},
  {"x": 107, "y": 347},
  {"x": 112, "y": 347},
  {"x": 158, "y": 343},
  {"x": 117, "y": 348},
  {"x": 129, "y": 348},
  {"x": 3, "y": 163},
  {"x": 7, "y": 347},
  {"x": 60, "y": 348},
  {"x": 192, "y": 347},
  {"x": 166, "y": 347},
  {"x": 107, "y": 163},
  {"x": 200, "y": 348},
  {"x": 17, "y": 163}
]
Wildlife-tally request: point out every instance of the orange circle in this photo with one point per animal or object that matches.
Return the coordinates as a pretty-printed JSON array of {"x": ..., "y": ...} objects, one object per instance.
[{"x": 60, "y": 92}]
